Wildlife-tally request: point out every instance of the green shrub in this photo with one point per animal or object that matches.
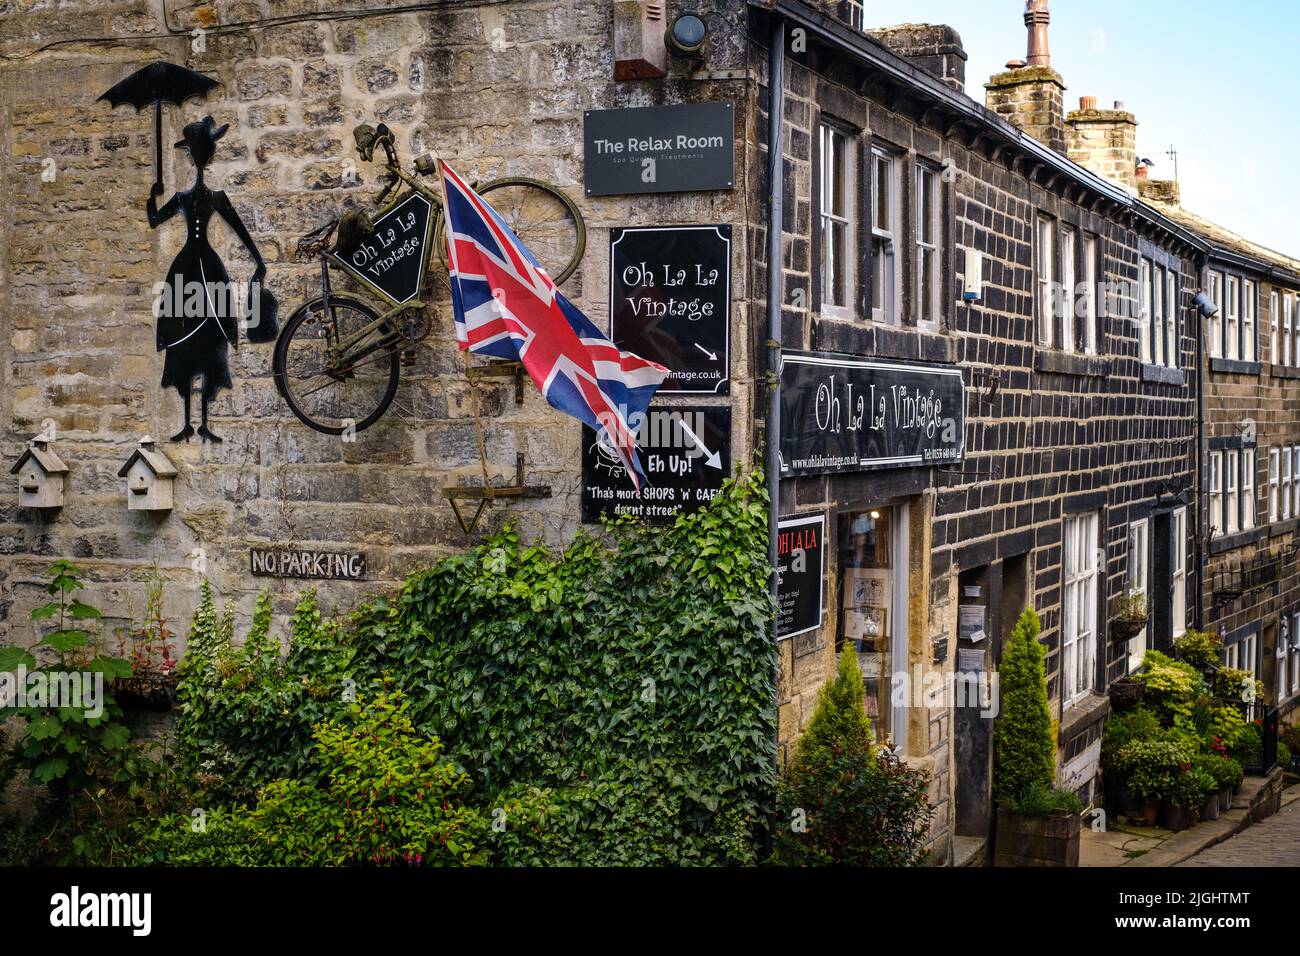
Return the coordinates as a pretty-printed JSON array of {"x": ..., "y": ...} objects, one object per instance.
[
  {"x": 1137, "y": 723},
  {"x": 1024, "y": 753},
  {"x": 389, "y": 797},
  {"x": 1151, "y": 768},
  {"x": 1232, "y": 684},
  {"x": 1290, "y": 735},
  {"x": 638, "y": 659},
  {"x": 1171, "y": 686},
  {"x": 1199, "y": 649},
  {"x": 1283, "y": 754},
  {"x": 842, "y": 803}
]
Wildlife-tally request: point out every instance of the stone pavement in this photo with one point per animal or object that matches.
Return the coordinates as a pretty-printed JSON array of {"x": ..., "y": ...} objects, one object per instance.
[
  {"x": 1274, "y": 841},
  {"x": 1127, "y": 845}
]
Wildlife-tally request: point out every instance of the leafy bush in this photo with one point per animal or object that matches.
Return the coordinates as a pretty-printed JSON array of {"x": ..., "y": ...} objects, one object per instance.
[
  {"x": 1200, "y": 649},
  {"x": 1137, "y": 723},
  {"x": 1024, "y": 753},
  {"x": 640, "y": 660},
  {"x": 843, "y": 803},
  {"x": 1171, "y": 685},
  {"x": 1283, "y": 754},
  {"x": 1233, "y": 684},
  {"x": 1151, "y": 768},
  {"x": 389, "y": 797}
]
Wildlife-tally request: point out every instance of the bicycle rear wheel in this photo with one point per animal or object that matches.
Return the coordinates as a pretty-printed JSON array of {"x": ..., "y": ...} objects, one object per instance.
[{"x": 326, "y": 395}]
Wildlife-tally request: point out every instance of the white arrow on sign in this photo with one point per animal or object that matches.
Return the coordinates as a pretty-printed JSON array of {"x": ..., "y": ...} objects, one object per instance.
[
  {"x": 713, "y": 356},
  {"x": 713, "y": 460}
]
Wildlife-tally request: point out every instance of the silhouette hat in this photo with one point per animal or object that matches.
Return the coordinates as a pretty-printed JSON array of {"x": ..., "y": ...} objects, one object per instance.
[{"x": 203, "y": 131}]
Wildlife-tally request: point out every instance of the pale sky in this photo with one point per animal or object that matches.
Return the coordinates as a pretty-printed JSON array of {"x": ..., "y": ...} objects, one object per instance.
[{"x": 1217, "y": 81}]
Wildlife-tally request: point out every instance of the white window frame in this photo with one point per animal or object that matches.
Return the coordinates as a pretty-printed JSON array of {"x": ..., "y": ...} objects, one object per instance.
[
  {"x": 1274, "y": 322},
  {"x": 1286, "y": 328},
  {"x": 1216, "y": 491},
  {"x": 1081, "y": 568},
  {"x": 1273, "y": 487},
  {"x": 1247, "y": 489},
  {"x": 1232, "y": 504},
  {"x": 1286, "y": 483},
  {"x": 1248, "y": 656},
  {"x": 1139, "y": 545},
  {"x": 1158, "y": 315},
  {"x": 1144, "y": 313},
  {"x": 1295, "y": 654},
  {"x": 1215, "y": 336},
  {"x": 928, "y": 192},
  {"x": 1046, "y": 277},
  {"x": 1232, "y": 306},
  {"x": 1171, "y": 318},
  {"x": 884, "y": 235},
  {"x": 1283, "y": 656},
  {"x": 1248, "y": 303},
  {"x": 1178, "y": 593},
  {"x": 837, "y": 163},
  {"x": 1090, "y": 245},
  {"x": 1066, "y": 300},
  {"x": 1295, "y": 480}
]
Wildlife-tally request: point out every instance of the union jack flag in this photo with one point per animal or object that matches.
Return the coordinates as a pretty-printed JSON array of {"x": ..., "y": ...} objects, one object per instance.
[{"x": 507, "y": 306}]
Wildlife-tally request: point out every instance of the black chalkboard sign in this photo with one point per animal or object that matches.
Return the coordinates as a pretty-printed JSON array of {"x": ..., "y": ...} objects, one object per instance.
[
  {"x": 392, "y": 257},
  {"x": 659, "y": 149},
  {"x": 686, "y": 455},
  {"x": 801, "y": 570},
  {"x": 670, "y": 302},
  {"x": 841, "y": 413}
]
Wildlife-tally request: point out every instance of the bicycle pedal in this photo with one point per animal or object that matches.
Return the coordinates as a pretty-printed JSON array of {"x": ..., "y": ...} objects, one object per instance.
[{"x": 408, "y": 358}]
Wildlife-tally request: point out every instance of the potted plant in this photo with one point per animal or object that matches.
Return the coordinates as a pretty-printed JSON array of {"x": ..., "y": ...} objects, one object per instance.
[
  {"x": 1135, "y": 723},
  {"x": 1037, "y": 825},
  {"x": 152, "y": 682},
  {"x": 1209, "y": 765},
  {"x": 1126, "y": 693},
  {"x": 1151, "y": 769},
  {"x": 1200, "y": 649},
  {"x": 1190, "y": 788},
  {"x": 1131, "y": 612}
]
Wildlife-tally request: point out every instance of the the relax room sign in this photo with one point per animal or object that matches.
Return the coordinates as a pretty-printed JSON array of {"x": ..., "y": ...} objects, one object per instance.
[{"x": 840, "y": 413}]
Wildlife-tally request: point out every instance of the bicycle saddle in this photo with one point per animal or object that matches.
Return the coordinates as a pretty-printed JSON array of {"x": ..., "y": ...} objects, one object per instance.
[{"x": 353, "y": 227}]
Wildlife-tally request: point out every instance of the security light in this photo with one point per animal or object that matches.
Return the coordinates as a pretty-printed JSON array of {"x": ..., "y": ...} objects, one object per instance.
[
  {"x": 686, "y": 35},
  {"x": 1205, "y": 306}
]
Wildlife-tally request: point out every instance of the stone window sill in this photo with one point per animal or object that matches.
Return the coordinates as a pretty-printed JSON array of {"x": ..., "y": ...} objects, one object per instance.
[
  {"x": 1284, "y": 526},
  {"x": 1082, "y": 714},
  {"x": 1236, "y": 366},
  {"x": 1238, "y": 539},
  {"x": 1283, "y": 371},
  {"x": 1163, "y": 375},
  {"x": 1071, "y": 363}
]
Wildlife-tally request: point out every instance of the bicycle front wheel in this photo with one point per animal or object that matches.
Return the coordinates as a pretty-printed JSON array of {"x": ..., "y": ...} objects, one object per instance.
[{"x": 330, "y": 391}]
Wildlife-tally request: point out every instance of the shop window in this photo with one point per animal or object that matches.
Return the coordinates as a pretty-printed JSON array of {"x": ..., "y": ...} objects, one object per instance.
[{"x": 872, "y": 618}]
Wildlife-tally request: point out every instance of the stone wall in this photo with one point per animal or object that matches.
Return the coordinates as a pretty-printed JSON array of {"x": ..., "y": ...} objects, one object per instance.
[{"x": 495, "y": 88}]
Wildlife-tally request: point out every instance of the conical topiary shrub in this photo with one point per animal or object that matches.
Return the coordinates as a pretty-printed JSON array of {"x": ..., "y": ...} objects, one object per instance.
[
  {"x": 1024, "y": 751},
  {"x": 840, "y": 721}
]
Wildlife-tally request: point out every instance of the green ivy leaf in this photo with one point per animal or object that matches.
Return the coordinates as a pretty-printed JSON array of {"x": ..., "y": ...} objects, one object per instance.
[{"x": 12, "y": 658}]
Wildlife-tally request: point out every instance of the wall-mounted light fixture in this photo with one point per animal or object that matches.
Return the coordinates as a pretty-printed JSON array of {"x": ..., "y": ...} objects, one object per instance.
[{"x": 686, "y": 35}]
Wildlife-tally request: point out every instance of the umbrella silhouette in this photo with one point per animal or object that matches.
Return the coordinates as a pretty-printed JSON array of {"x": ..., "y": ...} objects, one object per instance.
[{"x": 156, "y": 83}]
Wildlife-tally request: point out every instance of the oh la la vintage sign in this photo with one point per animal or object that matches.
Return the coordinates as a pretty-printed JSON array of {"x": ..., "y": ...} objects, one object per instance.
[{"x": 840, "y": 413}]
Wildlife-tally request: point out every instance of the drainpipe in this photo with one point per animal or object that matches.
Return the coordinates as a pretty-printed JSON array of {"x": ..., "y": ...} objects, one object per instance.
[
  {"x": 775, "y": 296},
  {"x": 1202, "y": 526}
]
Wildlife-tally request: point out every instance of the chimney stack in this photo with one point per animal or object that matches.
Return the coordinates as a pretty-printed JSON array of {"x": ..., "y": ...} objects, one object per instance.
[
  {"x": 1104, "y": 141},
  {"x": 1032, "y": 96},
  {"x": 935, "y": 48}
]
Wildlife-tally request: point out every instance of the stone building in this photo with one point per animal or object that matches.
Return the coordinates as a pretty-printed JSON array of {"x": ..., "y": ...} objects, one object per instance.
[{"x": 991, "y": 365}]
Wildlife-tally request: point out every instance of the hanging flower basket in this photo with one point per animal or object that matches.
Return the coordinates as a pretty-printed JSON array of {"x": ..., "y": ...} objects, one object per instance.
[
  {"x": 146, "y": 691},
  {"x": 1126, "y": 692},
  {"x": 1125, "y": 629}
]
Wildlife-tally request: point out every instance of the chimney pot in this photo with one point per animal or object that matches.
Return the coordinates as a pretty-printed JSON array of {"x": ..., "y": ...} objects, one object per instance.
[
  {"x": 1037, "y": 18},
  {"x": 1087, "y": 103},
  {"x": 1016, "y": 64},
  {"x": 1119, "y": 104}
]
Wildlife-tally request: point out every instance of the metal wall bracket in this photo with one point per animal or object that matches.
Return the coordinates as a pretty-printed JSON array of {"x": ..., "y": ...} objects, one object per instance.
[
  {"x": 500, "y": 370},
  {"x": 487, "y": 493}
]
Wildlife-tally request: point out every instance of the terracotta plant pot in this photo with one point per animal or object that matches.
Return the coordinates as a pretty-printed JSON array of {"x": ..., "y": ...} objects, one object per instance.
[
  {"x": 1126, "y": 803},
  {"x": 1149, "y": 812},
  {"x": 1211, "y": 809},
  {"x": 1175, "y": 816},
  {"x": 1051, "y": 840}
]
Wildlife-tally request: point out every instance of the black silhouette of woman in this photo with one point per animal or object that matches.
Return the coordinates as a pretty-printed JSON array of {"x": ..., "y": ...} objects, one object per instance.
[{"x": 198, "y": 318}]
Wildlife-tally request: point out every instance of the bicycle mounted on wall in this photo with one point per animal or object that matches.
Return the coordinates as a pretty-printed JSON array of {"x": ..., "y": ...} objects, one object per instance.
[{"x": 338, "y": 360}]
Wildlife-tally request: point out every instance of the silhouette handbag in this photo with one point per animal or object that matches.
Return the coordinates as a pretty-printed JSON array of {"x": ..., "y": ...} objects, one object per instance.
[{"x": 262, "y": 310}]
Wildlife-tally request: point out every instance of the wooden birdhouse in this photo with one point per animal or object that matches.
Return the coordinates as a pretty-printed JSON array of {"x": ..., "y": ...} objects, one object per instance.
[
  {"x": 41, "y": 474},
  {"x": 149, "y": 476}
]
